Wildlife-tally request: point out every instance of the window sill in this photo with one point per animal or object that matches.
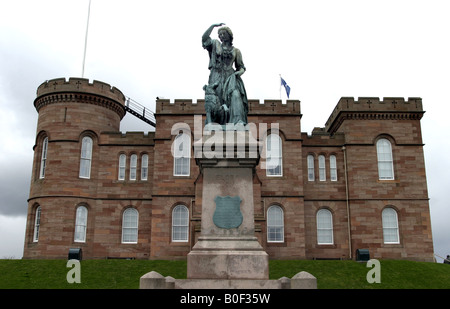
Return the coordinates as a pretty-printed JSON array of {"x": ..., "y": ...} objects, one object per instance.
[
  {"x": 386, "y": 181},
  {"x": 326, "y": 246}
]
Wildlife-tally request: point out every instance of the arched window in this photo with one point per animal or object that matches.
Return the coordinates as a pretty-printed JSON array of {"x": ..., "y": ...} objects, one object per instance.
[
  {"x": 86, "y": 157},
  {"x": 144, "y": 167},
  {"x": 390, "y": 226},
  {"x": 37, "y": 223},
  {"x": 322, "y": 171},
  {"x": 130, "y": 226},
  {"x": 385, "y": 162},
  {"x": 310, "y": 160},
  {"x": 122, "y": 166},
  {"x": 324, "y": 227},
  {"x": 181, "y": 155},
  {"x": 80, "y": 224},
  {"x": 333, "y": 168},
  {"x": 133, "y": 166},
  {"x": 43, "y": 158},
  {"x": 275, "y": 224},
  {"x": 274, "y": 155},
  {"x": 180, "y": 224}
]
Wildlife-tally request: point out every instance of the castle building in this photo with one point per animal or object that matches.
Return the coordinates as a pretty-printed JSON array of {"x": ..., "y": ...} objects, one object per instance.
[{"x": 357, "y": 183}]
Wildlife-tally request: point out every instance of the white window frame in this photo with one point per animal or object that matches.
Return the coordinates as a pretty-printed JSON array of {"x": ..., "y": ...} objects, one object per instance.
[
  {"x": 80, "y": 224},
  {"x": 182, "y": 155},
  {"x": 275, "y": 224},
  {"x": 37, "y": 223},
  {"x": 86, "y": 157},
  {"x": 180, "y": 224},
  {"x": 133, "y": 167},
  {"x": 310, "y": 163},
  {"x": 122, "y": 166},
  {"x": 322, "y": 168},
  {"x": 390, "y": 226},
  {"x": 324, "y": 222},
  {"x": 43, "y": 158},
  {"x": 144, "y": 167},
  {"x": 274, "y": 156},
  {"x": 333, "y": 168},
  {"x": 130, "y": 226},
  {"x": 385, "y": 159}
]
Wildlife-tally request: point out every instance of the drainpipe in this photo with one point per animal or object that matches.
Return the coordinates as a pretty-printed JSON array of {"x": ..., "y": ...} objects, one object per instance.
[{"x": 348, "y": 204}]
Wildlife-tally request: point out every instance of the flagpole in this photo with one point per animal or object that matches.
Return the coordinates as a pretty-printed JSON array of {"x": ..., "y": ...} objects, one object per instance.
[
  {"x": 280, "y": 86},
  {"x": 86, "y": 38}
]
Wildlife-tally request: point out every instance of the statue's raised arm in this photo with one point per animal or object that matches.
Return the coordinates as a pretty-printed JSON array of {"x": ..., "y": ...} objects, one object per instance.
[{"x": 209, "y": 30}]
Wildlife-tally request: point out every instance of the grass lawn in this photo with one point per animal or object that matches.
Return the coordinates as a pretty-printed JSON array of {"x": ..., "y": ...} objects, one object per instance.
[{"x": 125, "y": 274}]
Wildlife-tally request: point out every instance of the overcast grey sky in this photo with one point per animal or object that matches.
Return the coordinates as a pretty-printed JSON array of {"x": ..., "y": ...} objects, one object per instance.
[{"x": 324, "y": 49}]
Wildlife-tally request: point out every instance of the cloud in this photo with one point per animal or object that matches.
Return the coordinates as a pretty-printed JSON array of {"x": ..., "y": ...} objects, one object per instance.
[{"x": 12, "y": 235}]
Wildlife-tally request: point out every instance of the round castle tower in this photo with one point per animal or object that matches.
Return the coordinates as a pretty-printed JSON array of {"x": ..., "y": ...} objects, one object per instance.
[
  {"x": 68, "y": 107},
  {"x": 72, "y": 115}
]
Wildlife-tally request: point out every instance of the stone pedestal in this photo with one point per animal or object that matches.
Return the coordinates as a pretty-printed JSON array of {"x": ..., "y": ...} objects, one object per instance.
[
  {"x": 227, "y": 255},
  {"x": 227, "y": 247}
]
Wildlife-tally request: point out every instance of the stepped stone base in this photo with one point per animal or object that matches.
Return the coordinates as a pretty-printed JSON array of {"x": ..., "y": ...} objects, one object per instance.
[
  {"x": 154, "y": 280},
  {"x": 227, "y": 258}
]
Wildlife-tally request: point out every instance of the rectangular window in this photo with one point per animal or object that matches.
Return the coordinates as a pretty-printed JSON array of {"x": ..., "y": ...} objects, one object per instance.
[
  {"x": 275, "y": 224},
  {"x": 144, "y": 167},
  {"x": 322, "y": 171},
  {"x": 43, "y": 158},
  {"x": 390, "y": 226},
  {"x": 333, "y": 168},
  {"x": 310, "y": 167},
  {"x": 180, "y": 224},
  {"x": 274, "y": 156},
  {"x": 324, "y": 227},
  {"x": 80, "y": 224},
  {"x": 86, "y": 157},
  {"x": 122, "y": 166},
  {"x": 130, "y": 226},
  {"x": 182, "y": 155},
  {"x": 385, "y": 161},
  {"x": 133, "y": 166},
  {"x": 181, "y": 167},
  {"x": 37, "y": 224}
]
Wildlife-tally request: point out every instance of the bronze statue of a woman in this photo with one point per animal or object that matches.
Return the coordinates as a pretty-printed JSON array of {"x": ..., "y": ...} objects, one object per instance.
[{"x": 224, "y": 79}]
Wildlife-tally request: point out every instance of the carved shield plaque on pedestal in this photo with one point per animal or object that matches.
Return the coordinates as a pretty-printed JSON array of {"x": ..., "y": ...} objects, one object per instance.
[{"x": 228, "y": 212}]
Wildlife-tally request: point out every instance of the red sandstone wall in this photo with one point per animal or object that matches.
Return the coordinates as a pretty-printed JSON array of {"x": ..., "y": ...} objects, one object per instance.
[{"x": 64, "y": 119}]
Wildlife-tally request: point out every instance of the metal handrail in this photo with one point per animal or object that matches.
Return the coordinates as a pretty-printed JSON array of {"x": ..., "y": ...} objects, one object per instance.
[{"x": 140, "y": 111}]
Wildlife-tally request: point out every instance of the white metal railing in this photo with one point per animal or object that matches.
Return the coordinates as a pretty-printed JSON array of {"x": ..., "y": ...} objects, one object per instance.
[{"x": 140, "y": 111}]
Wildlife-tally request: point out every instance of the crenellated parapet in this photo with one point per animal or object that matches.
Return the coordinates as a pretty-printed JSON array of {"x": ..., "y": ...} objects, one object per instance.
[
  {"x": 180, "y": 106},
  {"x": 372, "y": 108},
  {"x": 274, "y": 107},
  {"x": 255, "y": 107},
  {"x": 127, "y": 139},
  {"x": 82, "y": 91}
]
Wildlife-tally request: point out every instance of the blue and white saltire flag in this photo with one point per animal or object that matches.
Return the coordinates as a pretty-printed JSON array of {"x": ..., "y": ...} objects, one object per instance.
[{"x": 283, "y": 83}]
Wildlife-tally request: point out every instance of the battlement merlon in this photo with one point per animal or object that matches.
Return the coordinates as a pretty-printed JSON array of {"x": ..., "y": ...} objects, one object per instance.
[
  {"x": 82, "y": 85},
  {"x": 374, "y": 108},
  {"x": 255, "y": 107}
]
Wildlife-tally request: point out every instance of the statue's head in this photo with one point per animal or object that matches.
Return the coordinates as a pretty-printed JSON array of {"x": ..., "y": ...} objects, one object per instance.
[{"x": 225, "y": 33}]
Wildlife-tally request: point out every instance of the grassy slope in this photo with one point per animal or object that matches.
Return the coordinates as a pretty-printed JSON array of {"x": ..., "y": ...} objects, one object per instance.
[{"x": 123, "y": 274}]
